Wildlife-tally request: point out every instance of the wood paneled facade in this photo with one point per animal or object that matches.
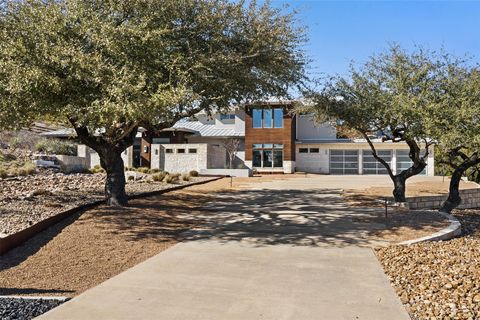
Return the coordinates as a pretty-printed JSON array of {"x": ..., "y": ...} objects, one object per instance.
[{"x": 285, "y": 135}]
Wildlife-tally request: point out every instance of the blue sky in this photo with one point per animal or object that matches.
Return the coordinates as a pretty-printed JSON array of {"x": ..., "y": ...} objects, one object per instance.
[{"x": 341, "y": 31}]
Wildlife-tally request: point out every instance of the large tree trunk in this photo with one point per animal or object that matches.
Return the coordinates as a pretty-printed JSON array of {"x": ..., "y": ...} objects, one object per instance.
[
  {"x": 454, "y": 198},
  {"x": 399, "y": 182},
  {"x": 115, "y": 194}
]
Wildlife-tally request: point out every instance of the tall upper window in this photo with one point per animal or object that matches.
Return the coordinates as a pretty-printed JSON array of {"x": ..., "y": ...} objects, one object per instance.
[
  {"x": 257, "y": 118},
  {"x": 267, "y": 118},
  {"x": 278, "y": 117}
]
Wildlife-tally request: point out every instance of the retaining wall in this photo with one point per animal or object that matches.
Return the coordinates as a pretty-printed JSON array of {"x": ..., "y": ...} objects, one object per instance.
[{"x": 470, "y": 199}]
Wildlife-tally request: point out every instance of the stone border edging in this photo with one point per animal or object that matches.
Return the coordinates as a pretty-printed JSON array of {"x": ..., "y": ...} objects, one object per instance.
[
  {"x": 453, "y": 230},
  {"x": 64, "y": 299},
  {"x": 14, "y": 240}
]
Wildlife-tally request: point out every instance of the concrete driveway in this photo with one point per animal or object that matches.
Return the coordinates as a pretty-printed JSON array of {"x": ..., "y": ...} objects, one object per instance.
[{"x": 284, "y": 249}]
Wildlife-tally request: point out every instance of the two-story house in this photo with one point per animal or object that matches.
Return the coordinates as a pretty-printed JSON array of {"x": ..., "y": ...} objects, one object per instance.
[{"x": 272, "y": 139}]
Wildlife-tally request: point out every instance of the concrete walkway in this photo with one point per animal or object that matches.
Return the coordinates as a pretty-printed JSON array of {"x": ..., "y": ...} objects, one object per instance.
[{"x": 274, "y": 250}]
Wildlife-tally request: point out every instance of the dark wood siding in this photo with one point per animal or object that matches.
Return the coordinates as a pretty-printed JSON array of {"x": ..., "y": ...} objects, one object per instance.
[{"x": 285, "y": 135}]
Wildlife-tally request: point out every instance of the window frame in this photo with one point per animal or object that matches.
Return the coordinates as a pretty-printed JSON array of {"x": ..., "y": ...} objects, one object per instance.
[{"x": 273, "y": 148}]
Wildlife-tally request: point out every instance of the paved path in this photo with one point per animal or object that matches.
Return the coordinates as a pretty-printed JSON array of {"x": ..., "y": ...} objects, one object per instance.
[{"x": 275, "y": 250}]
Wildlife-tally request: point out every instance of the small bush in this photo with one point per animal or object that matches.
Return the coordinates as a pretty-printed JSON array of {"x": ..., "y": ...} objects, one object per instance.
[
  {"x": 159, "y": 176},
  {"x": 131, "y": 178},
  {"x": 193, "y": 173},
  {"x": 97, "y": 169},
  {"x": 185, "y": 177},
  {"x": 55, "y": 146},
  {"x": 143, "y": 169},
  {"x": 3, "y": 173},
  {"x": 154, "y": 170},
  {"x": 172, "y": 178}
]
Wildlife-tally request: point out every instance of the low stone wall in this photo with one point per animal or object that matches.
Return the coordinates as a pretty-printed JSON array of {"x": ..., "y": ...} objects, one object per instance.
[
  {"x": 227, "y": 172},
  {"x": 73, "y": 163},
  {"x": 470, "y": 199}
]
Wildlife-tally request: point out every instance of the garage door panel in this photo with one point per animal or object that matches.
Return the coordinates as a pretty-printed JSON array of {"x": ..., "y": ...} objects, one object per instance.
[{"x": 343, "y": 161}]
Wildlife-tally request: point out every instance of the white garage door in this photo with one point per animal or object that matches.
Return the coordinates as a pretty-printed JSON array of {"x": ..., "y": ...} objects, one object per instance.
[
  {"x": 372, "y": 166},
  {"x": 343, "y": 161}
]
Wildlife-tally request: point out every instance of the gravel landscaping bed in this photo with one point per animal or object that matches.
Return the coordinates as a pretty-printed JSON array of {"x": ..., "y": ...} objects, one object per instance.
[
  {"x": 25, "y": 201},
  {"x": 439, "y": 280},
  {"x": 25, "y": 309}
]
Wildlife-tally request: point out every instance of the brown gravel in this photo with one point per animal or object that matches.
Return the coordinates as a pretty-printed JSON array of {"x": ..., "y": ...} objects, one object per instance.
[
  {"x": 87, "y": 249},
  {"x": 27, "y": 200},
  {"x": 439, "y": 280}
]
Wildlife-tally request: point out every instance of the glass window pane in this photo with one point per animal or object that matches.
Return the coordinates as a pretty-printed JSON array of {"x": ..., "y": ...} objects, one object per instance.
[
  {"x": 314, "y": 150},
  {"x": 267, "y": 158},
  {"x": 257, "y": 146},
  {"x": 278, "y": 117},
  {"x": 257, "y": 118},
  {"x": 257, "y": 158},
  {"x": 278, "y": 146},
  {"x": 278, "y": 158},
  {"x": 268, "y": 146},
  {"x": 267, "y": 118},
  {"x": 303, "y": 150},
  {"x": 336, "y": 153}
]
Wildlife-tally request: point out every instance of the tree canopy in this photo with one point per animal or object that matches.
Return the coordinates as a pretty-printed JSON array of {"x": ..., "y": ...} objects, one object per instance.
[
  {"x": 388, "y": 96},
  {"x": 107, "y": 67}
]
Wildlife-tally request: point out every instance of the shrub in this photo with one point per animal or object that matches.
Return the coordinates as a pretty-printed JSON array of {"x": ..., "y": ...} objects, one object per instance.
[
  {"x": 143, "y": 169},
  {"x": 193, "y": 173},
  {"x": 172, "y": 178},
  {"x": 3, "y": 173},
  {"x": 29, "y": 168},
  {"x": 159, "y": 176},
  {"x": 131, "y": 178},
  {"x": 55, "y": 146},
  {"x": 185, "y": 177},
  {"x": 154, "y": 170},
  {"x": 97, "y": 169}
]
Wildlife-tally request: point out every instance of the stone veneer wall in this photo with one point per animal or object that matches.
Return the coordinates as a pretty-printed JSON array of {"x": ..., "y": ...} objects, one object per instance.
[{"x": 470, "y": 199}]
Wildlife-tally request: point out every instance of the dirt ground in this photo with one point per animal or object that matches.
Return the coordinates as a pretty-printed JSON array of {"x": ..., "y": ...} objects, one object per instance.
[{"x": 87, "y": 249}]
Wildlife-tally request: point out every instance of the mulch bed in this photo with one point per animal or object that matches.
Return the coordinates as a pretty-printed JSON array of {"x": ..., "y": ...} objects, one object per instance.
[{"x": 87, "y": 249}]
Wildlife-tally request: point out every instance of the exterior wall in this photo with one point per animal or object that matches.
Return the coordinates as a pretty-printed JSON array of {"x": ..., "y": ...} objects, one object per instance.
[
  {"x": 307, "y": 129},
  {"x": 216, "y": 157},
  {"x": 320, "y": 162},
  {"x": 73, "y": 163},
  {"x": 183, "y": 162},
  {"x": 127, "y": 157},
  {"x": 146, "y": 144},
  {"x": 285, "y": 136}
]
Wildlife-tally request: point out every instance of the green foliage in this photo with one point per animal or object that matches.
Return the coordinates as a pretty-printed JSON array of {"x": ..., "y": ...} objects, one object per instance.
[
  {"x": 185, "y": 177},
  {"x": 3, "y": 173},
  {"x": 55, "y": 146},
  {"x": 193, "y": 173},
  {"x": 154, "y": 170},
  {"x": 131, "y": 178},
  {"x": 117, "y": 64}
]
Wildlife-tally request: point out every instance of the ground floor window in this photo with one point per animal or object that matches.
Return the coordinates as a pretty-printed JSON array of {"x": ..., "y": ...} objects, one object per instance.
[
  {"x": 267, "y": 155},
  {"x": 344, "y": 161},
  {"x": 372, "y": 166},
  {"x": 404, "y": 162}
]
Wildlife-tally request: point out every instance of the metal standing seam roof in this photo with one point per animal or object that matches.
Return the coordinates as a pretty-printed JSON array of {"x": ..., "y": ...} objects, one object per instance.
[{"x": 207, "y": 130}]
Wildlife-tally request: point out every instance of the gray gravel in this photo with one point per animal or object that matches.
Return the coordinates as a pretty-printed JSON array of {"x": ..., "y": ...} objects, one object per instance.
[{"x": 25, "y": 309}]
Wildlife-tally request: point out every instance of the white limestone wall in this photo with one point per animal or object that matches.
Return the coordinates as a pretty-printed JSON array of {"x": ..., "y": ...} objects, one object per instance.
[
  {"x": 312, "y": 162},
  {"x": 156, "y": 159},
  {"x": 288, "y": 166},
  {"x": 184, "y": 162}
]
